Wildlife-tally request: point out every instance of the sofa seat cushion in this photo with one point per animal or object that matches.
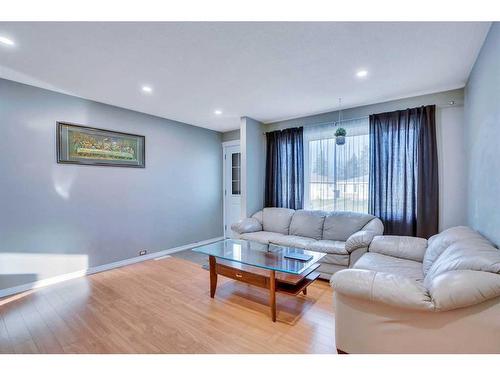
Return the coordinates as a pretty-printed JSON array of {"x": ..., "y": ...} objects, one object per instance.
[
  {"x": 329, "y": 246},
  {"x": 339, "y": 259},
  {"x": 326, "y": 270},
  {"x": 262, "y": 236},
  {"x": 387, "y": 264},
  {"x": 293, "y": 241}
]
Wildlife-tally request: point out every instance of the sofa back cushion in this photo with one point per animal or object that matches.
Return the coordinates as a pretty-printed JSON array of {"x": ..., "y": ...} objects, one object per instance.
[
  {"x": 438, "y": 243},
  {"x": 277, "y": 219},
  {"x": 340, "y": 225},
  {"x": 307, "y": 224},
  {"x": 474, "y": 253}
]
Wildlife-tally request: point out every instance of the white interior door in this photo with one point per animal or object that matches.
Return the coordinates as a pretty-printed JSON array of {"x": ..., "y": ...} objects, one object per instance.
[{"x": 232, "y": 188}]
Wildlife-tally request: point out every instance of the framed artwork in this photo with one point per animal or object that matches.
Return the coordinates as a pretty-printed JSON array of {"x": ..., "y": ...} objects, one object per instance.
[{"x": 77, "y": 144}]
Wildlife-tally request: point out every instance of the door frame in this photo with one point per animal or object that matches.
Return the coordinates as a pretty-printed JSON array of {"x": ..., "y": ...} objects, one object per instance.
[{"x": 225, "y": 145}]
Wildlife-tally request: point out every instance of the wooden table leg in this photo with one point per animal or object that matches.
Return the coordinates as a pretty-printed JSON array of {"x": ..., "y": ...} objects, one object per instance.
[
  {"x": 272, "y": 295},
  {"x": 213, "y": 276},
  {"x": 305, "y": 291}
]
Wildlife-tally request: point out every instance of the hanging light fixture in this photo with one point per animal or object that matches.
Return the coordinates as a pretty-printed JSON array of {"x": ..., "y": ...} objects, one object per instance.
[{"x": 340, "y": 133}]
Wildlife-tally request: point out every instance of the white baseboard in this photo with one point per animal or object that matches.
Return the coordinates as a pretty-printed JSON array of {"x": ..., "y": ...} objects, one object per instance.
[
  {"x": 163, "y": 257},
  {"x": 104, "y": 267}
]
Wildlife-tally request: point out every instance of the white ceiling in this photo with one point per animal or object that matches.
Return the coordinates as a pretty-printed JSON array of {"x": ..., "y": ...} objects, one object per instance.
[{"x": 268, "y": 71}]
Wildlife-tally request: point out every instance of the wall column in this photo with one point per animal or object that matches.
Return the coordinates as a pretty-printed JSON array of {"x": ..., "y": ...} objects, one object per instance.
[{"x": 253, "y": 165}]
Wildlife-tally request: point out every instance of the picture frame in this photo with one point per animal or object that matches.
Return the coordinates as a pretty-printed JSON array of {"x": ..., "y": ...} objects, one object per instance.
[{"x": 85, "y": 145}]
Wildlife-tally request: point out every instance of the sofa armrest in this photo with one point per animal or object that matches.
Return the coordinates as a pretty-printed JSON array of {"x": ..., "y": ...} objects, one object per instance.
[
  {"x": 246, "y": 226},
  {"x": 375, "y": 225},
  {"x": 405, "y": 247},
  {"x": 461, "y": 288},
  {"x": 381, "y": 287},
  {"x": 360, "y": 239}
]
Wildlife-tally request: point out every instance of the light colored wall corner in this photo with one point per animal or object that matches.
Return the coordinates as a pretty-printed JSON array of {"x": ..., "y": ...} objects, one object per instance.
[
  {"x": 243, "y": 166},
  {"x": 482, "y": 133},
  {"x": 452, "y": 174},
  {"x": 253, "y": 166}
]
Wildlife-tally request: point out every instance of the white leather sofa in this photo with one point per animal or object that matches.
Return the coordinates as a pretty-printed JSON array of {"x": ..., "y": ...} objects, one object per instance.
[
  {"x": 411, "y": 295},
  {"x": 344, "y": 236}
]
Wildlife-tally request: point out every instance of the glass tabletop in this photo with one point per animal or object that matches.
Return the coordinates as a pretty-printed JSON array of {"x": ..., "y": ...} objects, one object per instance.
[{"x": 271, "y": 257}]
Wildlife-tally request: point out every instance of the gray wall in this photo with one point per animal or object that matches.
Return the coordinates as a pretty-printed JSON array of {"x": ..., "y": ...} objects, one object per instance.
[
  {"x": 450, "y": 138},
  {"x": 232, "y": 135},
  {"x": 253, "y": 166},
  {"x": 452, "y": 174},
  {"x": 58, "y": 218},
  {"x": 482, "y": 132},
  {"x": 441, "y": 99}
]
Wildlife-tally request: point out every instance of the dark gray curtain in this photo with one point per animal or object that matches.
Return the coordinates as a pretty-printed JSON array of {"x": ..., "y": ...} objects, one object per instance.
[
  {"x": 404, "y": 171},
  {"x": 285, "y": 169}
]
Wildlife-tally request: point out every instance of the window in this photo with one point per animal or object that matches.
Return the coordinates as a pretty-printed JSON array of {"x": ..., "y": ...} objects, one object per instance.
[
  {"x": 236, "y": 173},
  {"x": 336, "y": 176}
]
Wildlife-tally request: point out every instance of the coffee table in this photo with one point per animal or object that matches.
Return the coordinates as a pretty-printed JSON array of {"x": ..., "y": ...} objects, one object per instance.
[{"x": 261, "y": 265}]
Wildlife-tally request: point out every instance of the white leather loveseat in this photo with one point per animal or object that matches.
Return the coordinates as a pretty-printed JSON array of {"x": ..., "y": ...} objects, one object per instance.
[
  {"x": 411, "y": 295},
  {"x": 344, "y": 236}
]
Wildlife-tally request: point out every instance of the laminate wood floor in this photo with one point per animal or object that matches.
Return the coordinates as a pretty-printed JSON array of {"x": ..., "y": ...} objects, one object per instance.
[{"x": 163, "y": 306}]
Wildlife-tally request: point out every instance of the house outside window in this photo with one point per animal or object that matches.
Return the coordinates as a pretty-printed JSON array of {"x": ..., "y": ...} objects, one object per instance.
[{"x": 336, "y": 176}]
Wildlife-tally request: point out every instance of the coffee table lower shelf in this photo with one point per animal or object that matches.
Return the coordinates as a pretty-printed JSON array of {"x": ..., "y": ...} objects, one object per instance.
[
  {"x": 275, "y": 282},
  {"x": 301, "y": 286}
]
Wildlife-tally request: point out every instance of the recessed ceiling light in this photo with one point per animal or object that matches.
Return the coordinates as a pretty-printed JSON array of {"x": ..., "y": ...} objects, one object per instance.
[
  {"x": 6, "y": 41},
  {"x": 218, "y": 112},
  {"x": 147, "y": 89},
  {"x": 362, "y": 73}
]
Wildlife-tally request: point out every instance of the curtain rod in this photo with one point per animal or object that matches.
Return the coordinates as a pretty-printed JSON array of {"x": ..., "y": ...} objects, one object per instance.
[{"x": 324, "y": 123}]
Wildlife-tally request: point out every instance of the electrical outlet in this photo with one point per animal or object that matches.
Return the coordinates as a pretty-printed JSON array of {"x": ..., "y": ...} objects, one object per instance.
[{"x": 143, "y": 252}]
